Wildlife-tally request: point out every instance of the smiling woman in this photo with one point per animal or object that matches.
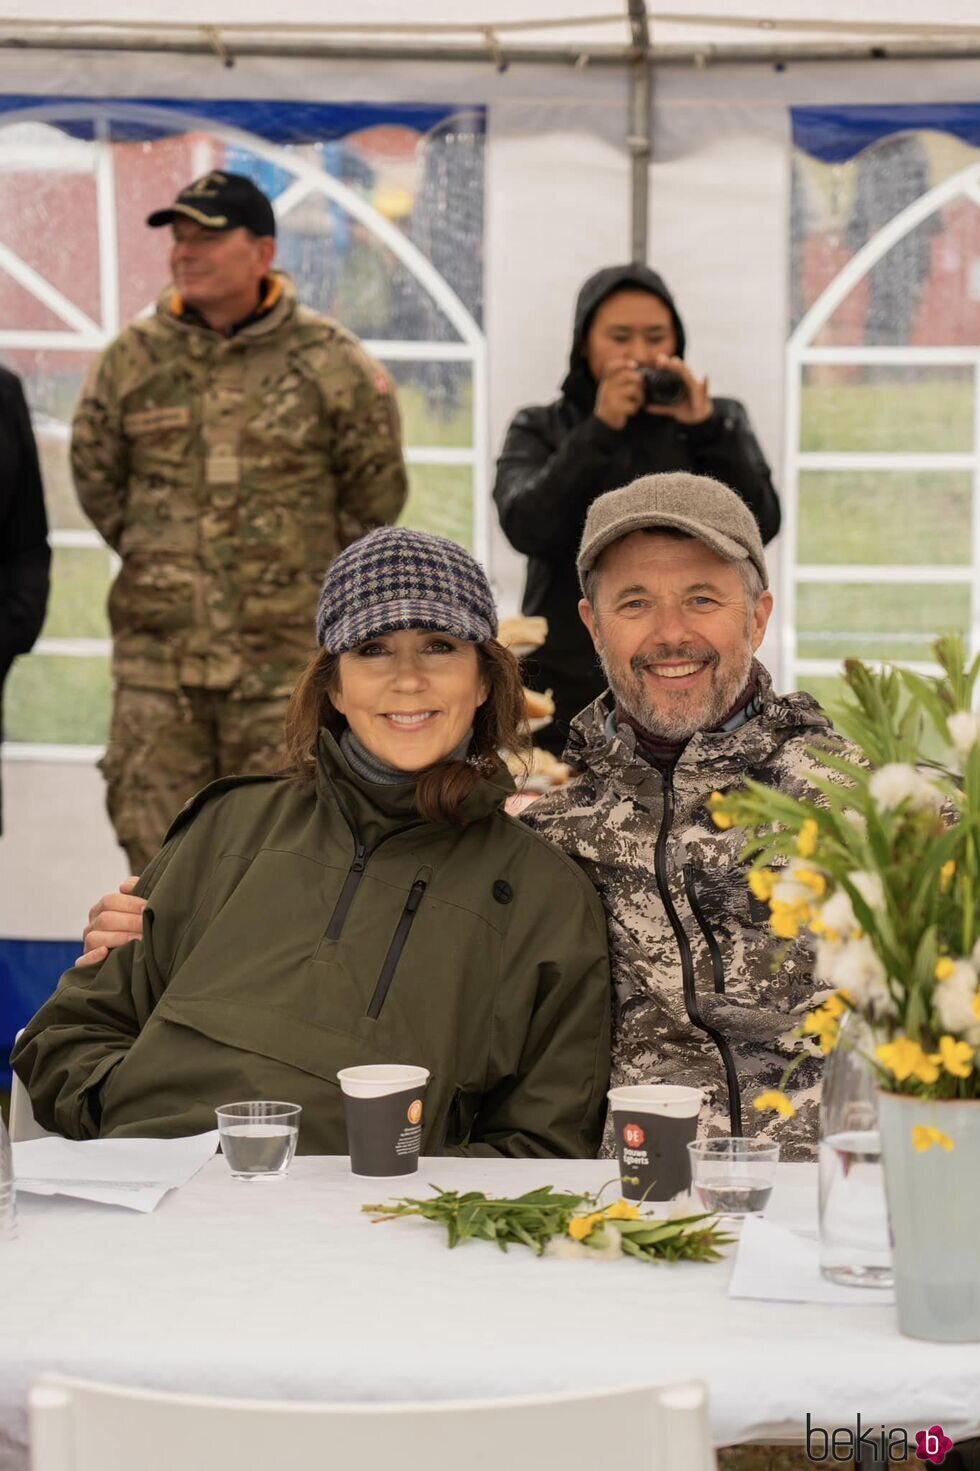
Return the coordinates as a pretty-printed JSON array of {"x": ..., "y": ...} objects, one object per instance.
[{"x": 372, "y": 904}]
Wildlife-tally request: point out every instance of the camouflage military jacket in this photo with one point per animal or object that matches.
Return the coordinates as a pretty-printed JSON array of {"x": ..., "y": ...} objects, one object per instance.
[
  {"x": 650, "y": 847},
  {"x": 227, "y": 472}
]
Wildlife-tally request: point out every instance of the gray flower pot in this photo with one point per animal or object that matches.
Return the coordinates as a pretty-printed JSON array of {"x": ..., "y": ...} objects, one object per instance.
[{"x": 934, "y": 1210}]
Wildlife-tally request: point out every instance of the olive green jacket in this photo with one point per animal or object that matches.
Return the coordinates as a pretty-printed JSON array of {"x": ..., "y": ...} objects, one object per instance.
[
  {"x": 292, "y": 931},
  {"x": 228, "y": 472}
]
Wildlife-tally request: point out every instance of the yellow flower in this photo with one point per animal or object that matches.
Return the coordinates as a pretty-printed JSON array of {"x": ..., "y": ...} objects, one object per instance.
[
  {"x": 788, "y": 919},
  {"x": 956, "y": 1057},
  {"x": 762, "y": 881},
  {"x": 944, "y": 969},
  {"x": 622, "y": 1210},
  {"x": 813, "y": 880},
  {"x": 822, "y": 1024},
  {"x": 806, "y": 839},
  {"x": 775, "y": 1099},
  {"x": 976, "y": 1006},
  {"x": 946, "y": 874},
  {"x": 924, "y": 1137},
  {"x": 905, "y": 1059},
  {"x": 836, "y": 1005},
  {"x": 720, "y": 819},
  {"x": 817, "y": 927},
  {"x": 581, "y": 1226}
]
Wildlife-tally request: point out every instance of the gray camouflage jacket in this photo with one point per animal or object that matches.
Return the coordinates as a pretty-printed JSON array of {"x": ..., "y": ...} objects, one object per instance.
[
  {"x": 651, "y": 849},
  {"x": 228, "y": 472}
]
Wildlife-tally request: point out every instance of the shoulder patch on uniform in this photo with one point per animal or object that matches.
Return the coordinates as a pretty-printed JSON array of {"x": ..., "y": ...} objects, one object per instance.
[{"x": 217, "y": 788}]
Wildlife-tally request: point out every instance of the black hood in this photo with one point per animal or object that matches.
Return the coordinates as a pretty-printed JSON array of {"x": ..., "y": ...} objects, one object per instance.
[{"x": 579, "y": 385}]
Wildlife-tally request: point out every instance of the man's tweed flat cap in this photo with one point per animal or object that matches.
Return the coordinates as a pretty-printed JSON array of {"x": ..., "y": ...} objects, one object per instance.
[{"x": 702, "y": 507}]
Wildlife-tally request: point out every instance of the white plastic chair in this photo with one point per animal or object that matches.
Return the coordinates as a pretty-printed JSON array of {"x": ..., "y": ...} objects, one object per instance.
[
  {"x": 80, "y": 1426},
  {"x": 23, "y": 1124}
]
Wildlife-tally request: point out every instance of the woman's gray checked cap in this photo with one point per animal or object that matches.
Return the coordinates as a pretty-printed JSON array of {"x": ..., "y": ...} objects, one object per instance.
[{"x": 393, "y": 579}]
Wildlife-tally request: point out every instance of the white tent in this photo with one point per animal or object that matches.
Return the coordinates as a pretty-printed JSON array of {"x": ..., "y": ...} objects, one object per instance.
[{"x": 587, "y": 104}]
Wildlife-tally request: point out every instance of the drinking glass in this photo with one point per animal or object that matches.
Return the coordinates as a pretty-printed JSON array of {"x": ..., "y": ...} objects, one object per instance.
[
  {"x": 258, "y": 1138},
  {"x": 733, "y": 1177}
]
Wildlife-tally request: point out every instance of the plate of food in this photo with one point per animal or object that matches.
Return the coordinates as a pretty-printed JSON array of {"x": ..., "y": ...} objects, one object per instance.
[
  {"x": 540, "y": 708},
  {"x": 522, "y": 635}
]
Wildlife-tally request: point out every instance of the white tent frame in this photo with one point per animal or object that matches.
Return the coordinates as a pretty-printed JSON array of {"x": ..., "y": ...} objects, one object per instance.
[{"x": 800, "y": 353}]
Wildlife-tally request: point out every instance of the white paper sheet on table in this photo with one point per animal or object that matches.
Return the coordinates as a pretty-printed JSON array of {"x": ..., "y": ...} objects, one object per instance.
[
  {"x": 777, "y": 1265},
  {"x": 136, "y": 1173}
]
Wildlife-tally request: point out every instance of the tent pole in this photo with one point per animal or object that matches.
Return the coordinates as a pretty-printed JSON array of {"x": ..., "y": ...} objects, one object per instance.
[{"x": 638, "y": 138}]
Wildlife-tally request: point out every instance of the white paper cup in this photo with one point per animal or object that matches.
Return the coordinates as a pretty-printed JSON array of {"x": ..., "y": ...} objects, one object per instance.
[
  {"x": 384, "y": 1105},
  {"x": 653, "y": 1124}
]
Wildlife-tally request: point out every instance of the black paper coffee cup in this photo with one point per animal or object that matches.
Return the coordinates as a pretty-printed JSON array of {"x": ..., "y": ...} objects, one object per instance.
[
  {"x": 653, "y": 1124},
  {"x": 384, "y": 1105}
]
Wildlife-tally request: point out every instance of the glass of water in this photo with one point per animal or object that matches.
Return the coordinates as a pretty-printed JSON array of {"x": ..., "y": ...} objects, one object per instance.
[
  {"x": 855, "y": 1247},
  {"x": 733, "y": 1177},
  {"x": 258, "y": 1139}
]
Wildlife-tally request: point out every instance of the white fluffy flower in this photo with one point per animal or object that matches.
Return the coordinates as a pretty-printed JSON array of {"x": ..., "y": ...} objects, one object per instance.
[
  {"x": 837, "y": 914},
  {"x": 953, "y": 1001},
  {"x": 897, "y": 782},
  {"x": 964, "y": 731},
  {"x": 825, "y": 961},
  {"x": 789, "y": 890},
  {"x": 870, "y": 887},
  {"x": 858, "y": 970}
]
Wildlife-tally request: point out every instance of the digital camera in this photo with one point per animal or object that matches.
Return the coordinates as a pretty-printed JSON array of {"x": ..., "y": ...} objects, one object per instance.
[{"x": 662, "y": 387}]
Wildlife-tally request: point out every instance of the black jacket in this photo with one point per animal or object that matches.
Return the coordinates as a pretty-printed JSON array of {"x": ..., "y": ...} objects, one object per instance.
[
  {"x": 558, "y": 458},
  {"x": 24, "y": 553}
]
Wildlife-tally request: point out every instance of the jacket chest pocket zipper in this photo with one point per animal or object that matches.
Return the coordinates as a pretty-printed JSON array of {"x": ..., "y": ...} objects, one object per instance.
[
  {"x": 398, "y": 941},
  {"x": 341, "y": 909}
]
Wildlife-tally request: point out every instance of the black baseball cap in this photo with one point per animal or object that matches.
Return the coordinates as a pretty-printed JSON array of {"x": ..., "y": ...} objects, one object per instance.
[{"x": 220, "y": 201}]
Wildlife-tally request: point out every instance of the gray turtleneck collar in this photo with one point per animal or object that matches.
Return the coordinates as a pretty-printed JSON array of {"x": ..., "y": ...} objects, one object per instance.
[{"x": 369, "y": 768}]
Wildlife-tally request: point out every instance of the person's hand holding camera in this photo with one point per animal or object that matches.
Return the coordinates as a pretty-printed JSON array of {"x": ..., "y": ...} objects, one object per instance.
[
  {"x": 621, "y": 393},
  {"x": 667, "y": 388},
  {"x": 692, "y": 404}
]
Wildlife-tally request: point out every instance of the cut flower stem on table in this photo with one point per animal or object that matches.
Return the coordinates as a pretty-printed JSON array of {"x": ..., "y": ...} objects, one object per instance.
[{"x": 564, "y": 1224}]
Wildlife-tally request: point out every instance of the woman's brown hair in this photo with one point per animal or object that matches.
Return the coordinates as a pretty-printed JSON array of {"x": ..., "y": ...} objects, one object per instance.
[{"x": 500, "y": 724}]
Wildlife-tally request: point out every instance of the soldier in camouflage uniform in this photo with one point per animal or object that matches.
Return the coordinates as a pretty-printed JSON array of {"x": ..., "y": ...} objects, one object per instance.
[
  {"x": 705, "y": 994},
  {"x": 227, "y": 448}
]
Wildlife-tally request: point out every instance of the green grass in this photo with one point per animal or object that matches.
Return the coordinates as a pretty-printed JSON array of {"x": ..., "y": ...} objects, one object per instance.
[
  {"x": 441, "y": 500},
  {"x": 870, "y": 621},
  {"x": 885, "y": 517},
  {"x": 58, "y": 700},
  {"x": 79, "y": 583},
  {"x": 897, "y": 411}
]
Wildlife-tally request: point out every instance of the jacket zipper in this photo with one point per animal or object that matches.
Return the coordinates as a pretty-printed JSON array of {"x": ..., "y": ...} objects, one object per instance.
[
  {"x": 342, "y": 907},
  {"x": 398, "y": 942},
  {"x": 687, "y": 962}
]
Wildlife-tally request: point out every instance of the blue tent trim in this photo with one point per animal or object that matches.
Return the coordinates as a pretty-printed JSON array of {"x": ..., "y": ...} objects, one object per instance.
[
  {"x": 29, "y": 972},
  {"x": 278, "y": 122},
  {"x": 835, "y": 134}
]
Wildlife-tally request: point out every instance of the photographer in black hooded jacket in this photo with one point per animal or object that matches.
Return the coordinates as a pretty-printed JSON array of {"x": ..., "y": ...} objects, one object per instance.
[{"x": 602, "y": 433}]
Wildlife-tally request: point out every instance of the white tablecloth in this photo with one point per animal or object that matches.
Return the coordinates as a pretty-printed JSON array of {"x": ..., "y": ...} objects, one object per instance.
[{"x": 286, "y": 1289}]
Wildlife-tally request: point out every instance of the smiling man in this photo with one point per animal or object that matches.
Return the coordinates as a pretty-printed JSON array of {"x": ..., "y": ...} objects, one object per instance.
[
  {"x": 227, "y": 447},
  {"x": 676, "y": 600}
]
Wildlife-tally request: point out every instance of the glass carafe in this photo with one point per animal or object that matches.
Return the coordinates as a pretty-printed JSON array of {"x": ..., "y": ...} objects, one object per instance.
[{"x": 855, "y": 1247}]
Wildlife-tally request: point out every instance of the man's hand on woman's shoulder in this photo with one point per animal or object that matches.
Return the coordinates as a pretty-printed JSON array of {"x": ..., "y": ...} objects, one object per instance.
[{"x": 113, "y": 920}]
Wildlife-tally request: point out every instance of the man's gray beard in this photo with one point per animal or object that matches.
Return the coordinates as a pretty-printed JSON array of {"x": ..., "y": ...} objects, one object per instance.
[{"x": 680, "y": 725}]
